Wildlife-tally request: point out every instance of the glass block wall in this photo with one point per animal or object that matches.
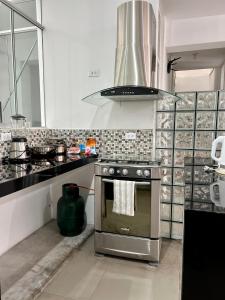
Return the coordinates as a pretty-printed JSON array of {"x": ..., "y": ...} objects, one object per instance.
[{"x": 185, "y": 128}]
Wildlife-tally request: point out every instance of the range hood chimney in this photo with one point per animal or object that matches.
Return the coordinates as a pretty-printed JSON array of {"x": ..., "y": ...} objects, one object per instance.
[
  {"x": 134, "y": 75},
  {"x": 136, "y": 44}
]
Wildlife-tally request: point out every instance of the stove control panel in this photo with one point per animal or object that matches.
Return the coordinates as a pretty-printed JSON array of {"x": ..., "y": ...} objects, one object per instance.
[
  {"x": 139, "y": 173},
  {"x": 129, "y": 172},
  {"x": 111, "y": 171},
  {"x": 125, "y": 172},
  {"x": 147, "y": 173},
  {"x": 105, "y": 171}
]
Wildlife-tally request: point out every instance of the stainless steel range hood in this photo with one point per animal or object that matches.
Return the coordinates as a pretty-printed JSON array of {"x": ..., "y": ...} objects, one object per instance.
[
  {"x": 134, "y": 77},
  {"x": 136, "y": 44}
]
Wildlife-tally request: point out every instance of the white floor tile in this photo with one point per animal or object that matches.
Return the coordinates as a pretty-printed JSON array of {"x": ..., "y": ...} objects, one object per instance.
[
  {"x": 87, "y": 277},
  {"x": 46, "y": 296}
]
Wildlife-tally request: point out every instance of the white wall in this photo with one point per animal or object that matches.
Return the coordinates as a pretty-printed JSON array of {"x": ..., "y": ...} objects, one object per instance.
[
  {"x": 222, "y": 78},
  {"x": 197, "y": 80},
  {"x": 166, "y": 80},
  {"x": 79, "y": 36},
  {"x": 24, "y": 212},
  {"x": 190, "y": 84},
  {"x": 191, "y": 34},
  {"x": 215, "y": 79},
  {"x": 195, "y": 33}
]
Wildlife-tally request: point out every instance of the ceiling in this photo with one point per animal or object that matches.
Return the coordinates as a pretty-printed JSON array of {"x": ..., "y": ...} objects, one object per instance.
[
  {"x": 179, "y": 9},
  {"x": 199, "y": 59}
]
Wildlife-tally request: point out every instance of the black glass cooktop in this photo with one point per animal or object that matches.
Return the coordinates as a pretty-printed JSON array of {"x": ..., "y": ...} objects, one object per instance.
[{"x": 17, "y": 176}]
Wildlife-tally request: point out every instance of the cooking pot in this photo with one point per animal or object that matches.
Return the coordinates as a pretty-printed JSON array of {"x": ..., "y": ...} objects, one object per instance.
[
  {"x": 45, "y": 150},
  {"x": 60, "y": 148},
  {"x": 58, "y": 144}
]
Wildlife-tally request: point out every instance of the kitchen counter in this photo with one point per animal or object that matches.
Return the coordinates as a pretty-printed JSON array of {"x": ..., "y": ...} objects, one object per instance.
[
  {"x": 204, "y": 235},
  {"x": 14, "y": 178}
]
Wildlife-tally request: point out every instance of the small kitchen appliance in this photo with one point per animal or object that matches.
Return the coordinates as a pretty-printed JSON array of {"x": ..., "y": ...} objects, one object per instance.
[
  {"x": 19, "y": 150},
  {"x": 217, "y": 192},
  {"x": 18, "y": 121},
  {"x": 43, "y": 151},
  {"x": 135, "y": 236},
  {"x": 221, "y": 159}
]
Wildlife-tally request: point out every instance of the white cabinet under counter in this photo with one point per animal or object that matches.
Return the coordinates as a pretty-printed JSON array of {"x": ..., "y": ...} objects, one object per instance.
[{"x": 25, "y": 211}]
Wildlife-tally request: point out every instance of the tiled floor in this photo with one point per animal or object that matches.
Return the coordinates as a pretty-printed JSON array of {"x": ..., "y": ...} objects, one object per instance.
[
  {"x": 21, "y": 258},
  {"x": 87, "y": 277}
]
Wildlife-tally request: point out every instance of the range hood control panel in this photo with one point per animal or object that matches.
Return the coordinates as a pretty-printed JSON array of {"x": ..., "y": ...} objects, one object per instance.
[{"x": 129, "y": 91}]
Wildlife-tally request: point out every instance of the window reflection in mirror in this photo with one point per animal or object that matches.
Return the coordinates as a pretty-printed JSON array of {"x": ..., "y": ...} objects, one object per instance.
[
  {"x": 27, "y": 73},
  {"x": 27, "y": 59},
  {"x": 28, "y": 7},
  {"x": 4, "y": 18},
  {"x": 6, "y": 78}
]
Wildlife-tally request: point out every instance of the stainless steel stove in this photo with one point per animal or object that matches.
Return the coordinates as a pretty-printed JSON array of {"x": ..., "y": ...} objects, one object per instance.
[{"x": 135, "y": 236}]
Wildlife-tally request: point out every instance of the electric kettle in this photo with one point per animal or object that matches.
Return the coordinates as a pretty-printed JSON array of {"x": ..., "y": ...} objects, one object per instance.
[{"x": 220, "y": 160}]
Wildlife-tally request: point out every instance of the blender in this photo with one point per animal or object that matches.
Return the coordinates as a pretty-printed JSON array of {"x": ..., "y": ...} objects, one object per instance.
[{"x": 19, "y": 150}]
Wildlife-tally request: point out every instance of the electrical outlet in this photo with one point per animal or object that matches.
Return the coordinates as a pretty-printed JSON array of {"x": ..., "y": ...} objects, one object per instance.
[
  {"x": 130, "y": 136},
  {"x": 5, "y": 136},
  {"x": 94, "y": 73}
]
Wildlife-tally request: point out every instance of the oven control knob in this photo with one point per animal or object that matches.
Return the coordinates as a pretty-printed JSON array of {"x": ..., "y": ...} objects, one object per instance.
[
  {"x": 111, "y": 171},
  {"x": 125, "y": 172},
  {"x": 147, "y": 173},
  {"x": 139, "y": 172},
  {"x": 105, "y": 170}
]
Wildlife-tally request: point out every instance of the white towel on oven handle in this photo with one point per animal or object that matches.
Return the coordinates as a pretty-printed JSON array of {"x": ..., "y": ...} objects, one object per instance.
[{"x": 124, "y": 192}]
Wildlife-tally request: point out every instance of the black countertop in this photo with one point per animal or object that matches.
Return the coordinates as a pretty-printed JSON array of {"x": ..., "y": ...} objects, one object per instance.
[
  {"x": 203, "y": 190},
  {"x": 14, "y": 178},
  {"x": 204, "y": 227}
]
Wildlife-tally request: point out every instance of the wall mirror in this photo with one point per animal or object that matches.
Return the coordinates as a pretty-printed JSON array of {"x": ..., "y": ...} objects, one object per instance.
[{"x": 21, "y": 62}]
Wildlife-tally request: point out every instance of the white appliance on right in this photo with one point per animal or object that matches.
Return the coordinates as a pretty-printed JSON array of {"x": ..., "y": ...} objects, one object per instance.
[
  {"x": 221, "y": 159},
  {"x": 217, "y": 189}
]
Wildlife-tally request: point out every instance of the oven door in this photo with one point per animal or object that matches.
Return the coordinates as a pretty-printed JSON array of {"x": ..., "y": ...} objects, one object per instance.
[{"x": 137, "y": 225}]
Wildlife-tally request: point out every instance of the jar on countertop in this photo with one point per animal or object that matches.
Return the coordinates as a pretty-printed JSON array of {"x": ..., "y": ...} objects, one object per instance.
[{"x": 90, "y": 146}]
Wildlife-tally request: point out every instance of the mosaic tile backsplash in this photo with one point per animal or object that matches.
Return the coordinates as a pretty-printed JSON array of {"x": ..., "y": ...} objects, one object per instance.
[
  {"x": 107, "y": 141},
  {"x": 34, "y": 137}
]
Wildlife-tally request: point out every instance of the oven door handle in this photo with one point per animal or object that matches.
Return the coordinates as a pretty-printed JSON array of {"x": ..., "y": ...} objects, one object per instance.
[{"x": 136, "y": 182}]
